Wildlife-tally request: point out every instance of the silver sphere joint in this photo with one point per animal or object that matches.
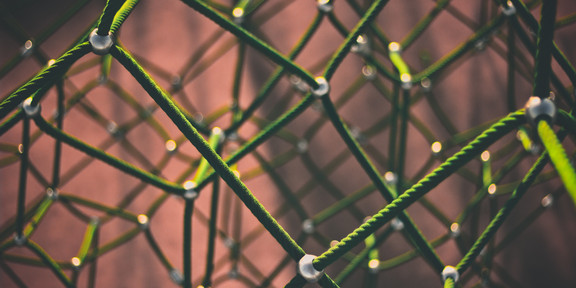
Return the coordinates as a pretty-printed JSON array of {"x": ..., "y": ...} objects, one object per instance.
[
  {"x": 176, "y": 277},
  {"x": 450, "y": 272},
  {"x": 20, "y": 240},
  {"x": 323, "y": 87},
  {"x": 324, "y": 6},
  {"x": 540, "y": 109},
  {"x": 307, "y": 271},
  {"x": 30, "y": 110},
  {"x": 308, "y": 226},
  {"x": 100, "y": 44},
  {"x": 509, "y": 9}
]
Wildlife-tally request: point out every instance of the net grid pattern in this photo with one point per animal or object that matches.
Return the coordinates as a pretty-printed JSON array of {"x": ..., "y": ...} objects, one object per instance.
[{"x": 501, "y": 159}]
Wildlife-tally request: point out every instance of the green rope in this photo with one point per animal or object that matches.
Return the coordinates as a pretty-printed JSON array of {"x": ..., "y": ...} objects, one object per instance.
[
  {"x": 107, "y": 158},
  {"x": 361, "y": 143},
  {"x": 110, "y": 10},
  {"x": 252, "y": 41},
  {"x": 423, "y": 186},
  {"x": 209, "y": 154},
  {"x": 43, "y": 78},
  {"x": 545, "y": 43},
  {"x": 122, "y": 14},
  {"x": 497, "y": 221},
  {"x": 558, "y": 157}
]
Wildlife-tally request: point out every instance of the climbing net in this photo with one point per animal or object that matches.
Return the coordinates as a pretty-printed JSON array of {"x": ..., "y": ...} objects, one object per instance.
[{"x": 340, "y": 152}]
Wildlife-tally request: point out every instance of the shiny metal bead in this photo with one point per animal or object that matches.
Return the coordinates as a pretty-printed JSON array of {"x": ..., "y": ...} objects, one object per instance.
[
  {"x": 20, "y": 239},
  {"x": 323, "y": 87},
  {"x": 29, "y": 110},
  {"x": 540, "y": 109},
  {"x": 100, "y": 44},
  {"x": 450, "y": 272},
  {"x": 509, "y": 9},
  {"x": 176, "y": 276},
  {"x": 325, "y": 6},
  {"x": 307, "y": 271}
]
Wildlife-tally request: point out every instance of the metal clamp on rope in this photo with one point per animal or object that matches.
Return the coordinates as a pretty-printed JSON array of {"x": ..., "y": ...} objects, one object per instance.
[
  {"x": 101, "y": 45},
  {"x": 450, "y": 272},
  {"x": 307, "y": 271},
  {"x": 30, "y": 110},
  {"x": 540, "y": 109}
]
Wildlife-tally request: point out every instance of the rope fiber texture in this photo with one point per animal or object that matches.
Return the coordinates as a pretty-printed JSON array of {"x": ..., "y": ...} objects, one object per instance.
[{"x": 202, "y": 151}]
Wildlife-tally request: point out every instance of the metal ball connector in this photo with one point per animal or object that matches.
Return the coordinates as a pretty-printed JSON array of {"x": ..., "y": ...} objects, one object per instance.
[
  {"x": 397, "y": 224},
  {"x": 307, "y": 271},
  {"x": 540, "y": 109},
  {"x": 509, "y": 9},
  {"x": 323, "y": 87},
  {"x": 308, "y": 226},
  {"x": 190, "y": 193},
  {"x": 29, "y": 110},
  {"x": 361, "y": 46},
  {"x": 20, "y": 239},
  {"x": 238, "y": 15},
  {"x": 143, "y": 221},
  {"x": 450, "y": 272},
  {"x": 100, "y": 44},
  {"x": 176, "y": 276},
  {"x": 325, "y": 6},
  {"x": 52, "y": 193}
]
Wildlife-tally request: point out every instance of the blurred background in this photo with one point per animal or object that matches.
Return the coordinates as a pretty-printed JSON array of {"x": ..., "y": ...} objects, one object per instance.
[{"x": 304, "y": 173}]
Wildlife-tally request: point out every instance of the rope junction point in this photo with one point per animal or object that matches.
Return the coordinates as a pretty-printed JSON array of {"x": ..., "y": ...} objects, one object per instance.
[
  {"x": 101, "y": 45},
  {"x": 450, "y": 272},
  {"x": 29, "y": 110},
  {"x": 540, "y": 109},
  {"x": 323, "y": 87},
  {"x": 307, "y": 270},
  {"x": 325, "y": 6}
]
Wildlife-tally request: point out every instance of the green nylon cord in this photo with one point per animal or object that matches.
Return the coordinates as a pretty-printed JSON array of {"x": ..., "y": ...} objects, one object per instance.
[
  {"x": 166, "y": 104},
  {"x": 11, "y": 121},
  {"x": 276, "y": 76},
  {"x": 426, "y": 184},
  {"x": 265, "y": 134},
  {"x": 209, "y": 166},
  {"x": 558, "y": 157},
  {"x": 344, "y": 48},
  {"x": 449, "y": 283},
  {"x": 38, "y": 216},
  {"x": 414, "y": 234},
  {"x": 460, "y": 49},
  {"x": 89, "y": 240},
  {"x": 187, "y": 243},
  {"x": 109, "y": 159},
  {"x": 545, "y": 43},
  {"x": 250, "y": 39},
  {"x": 531, "y": 22},
  {"x": 46, "y": 259},
  {"x": 207, "y": 280},
  {"x": 22, "y": 180},
  {"x": 396, "y": 59},
  {"x": 423, "y": 24},
  {"x": 122, "y": 14},
  {"x": 165, "y": 262},
  {"x": 497, "y": 221},
  {"x": 110, "y": 10},
  {"x": 60, "y": 110},
  {"x": 44, "y": 77},
  {"x": 214, "y": 140}
]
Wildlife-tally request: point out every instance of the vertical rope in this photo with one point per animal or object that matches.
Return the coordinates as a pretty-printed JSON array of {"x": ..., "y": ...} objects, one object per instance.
[{"x": 545, "y": 44}]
